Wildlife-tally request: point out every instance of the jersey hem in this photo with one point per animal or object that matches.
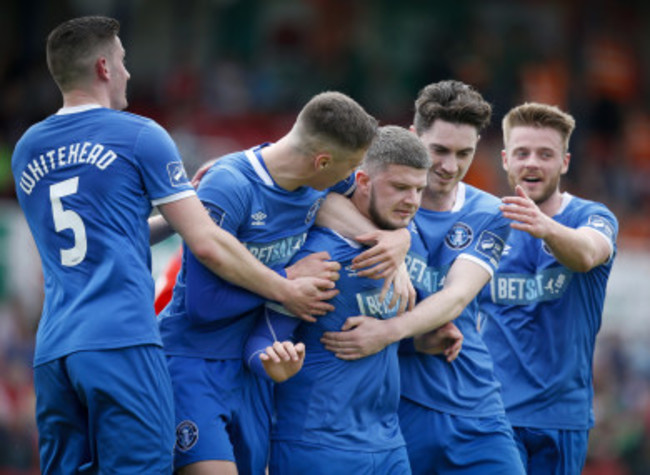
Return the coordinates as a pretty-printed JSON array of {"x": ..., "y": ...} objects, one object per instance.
[{"x": 44, "y": 359}]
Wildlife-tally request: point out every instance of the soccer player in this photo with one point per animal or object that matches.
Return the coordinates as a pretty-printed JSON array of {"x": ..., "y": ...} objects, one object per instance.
[
  {"x": 87, "y": 178},
  {"x": 267, "y": 197},
  {"x": 545, "y": 302},
  {"x": 451, "y": 414},
  {"x": 338, "y": 416}
]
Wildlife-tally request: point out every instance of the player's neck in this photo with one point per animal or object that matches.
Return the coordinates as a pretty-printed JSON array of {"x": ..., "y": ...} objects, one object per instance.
[
  {"x": 78, "y": 97},
  {"x": 283, "y": 165},
  {"x": 552, "y": 204},
  {"x": 439, "y": 201}
]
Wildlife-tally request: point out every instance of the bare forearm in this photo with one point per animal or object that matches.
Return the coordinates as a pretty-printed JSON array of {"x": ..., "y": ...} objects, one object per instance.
[
  {"x": 430, "y": 314},
  {"x": 578, "y": 249},
  {"x": 340, "y": 214},
  {"x": 224, "y": 255}
]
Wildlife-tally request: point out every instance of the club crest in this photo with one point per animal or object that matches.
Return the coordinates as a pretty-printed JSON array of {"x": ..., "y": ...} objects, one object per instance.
[
  {"x": 187, "y": 435},
  {"x": 459, "y": 236}
]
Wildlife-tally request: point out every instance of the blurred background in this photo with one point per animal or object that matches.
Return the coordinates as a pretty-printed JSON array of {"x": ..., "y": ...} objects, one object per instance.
[{"x": 223, "y": 75}]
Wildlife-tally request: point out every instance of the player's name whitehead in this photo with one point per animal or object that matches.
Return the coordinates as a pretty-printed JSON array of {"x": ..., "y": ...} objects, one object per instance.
[{"x": 87, "y": 153}]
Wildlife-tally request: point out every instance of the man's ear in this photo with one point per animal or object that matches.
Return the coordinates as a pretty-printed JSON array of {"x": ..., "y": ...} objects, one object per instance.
[
  {"x": 504, "y": 160},
  {"x": 565, "y": 162},
  {"x": 101, "y": 68},
  {"x": 362, "y": 180},
  {"x": 322, "y": 161}
]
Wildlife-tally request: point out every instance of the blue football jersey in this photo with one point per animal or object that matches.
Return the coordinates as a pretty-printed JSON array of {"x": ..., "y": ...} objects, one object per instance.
[
  {"x": 86, "y": 179},
  {"x": 242, "y": 198},
  {"x": 349, "y": 405},
  {"x": 541, "y": 324},
  {"x": 474, "y": 229}
]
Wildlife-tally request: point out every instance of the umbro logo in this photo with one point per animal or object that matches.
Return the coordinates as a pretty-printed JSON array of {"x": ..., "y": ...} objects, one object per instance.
[{"x": 258, "y": 218}]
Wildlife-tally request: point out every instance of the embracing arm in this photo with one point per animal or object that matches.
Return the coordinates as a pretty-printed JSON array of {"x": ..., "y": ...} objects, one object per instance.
[
  {"x": 363, "y": 336},
  {"x": 209, "y": 298},
  {"x": 384, "y": 260},
  {"x": 224, "y": 255}
]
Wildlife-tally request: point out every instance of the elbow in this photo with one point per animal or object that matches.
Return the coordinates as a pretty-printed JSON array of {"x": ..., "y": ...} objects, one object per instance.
[{"x": 584, "y": 263}]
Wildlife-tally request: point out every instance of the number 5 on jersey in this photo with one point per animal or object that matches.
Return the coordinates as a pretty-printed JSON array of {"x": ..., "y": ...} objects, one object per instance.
[{"x": 67, "y": 219}]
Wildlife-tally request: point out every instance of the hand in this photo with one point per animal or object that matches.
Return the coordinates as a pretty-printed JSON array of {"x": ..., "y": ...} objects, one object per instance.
[
  {"x": 283, "y": 360},
  {"x": 360, "y": 336},
  {"x": 403, "y": 291},
  {"x": 385, "y": 256},
  {"x": 317, "y": 264},
  {"x": 447, "y": 340},
  {"x": 305, "y": 297},
  {"x": 198, "y": 176},
  {"x": 525, "y": 214}
]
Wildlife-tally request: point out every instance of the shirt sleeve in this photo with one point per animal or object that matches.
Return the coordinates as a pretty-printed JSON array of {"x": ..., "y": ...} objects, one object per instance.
[
  {"x": 273, "y": 326},
  {"x": 488, "y": 246},
  {"x": 161, "y": 165}
]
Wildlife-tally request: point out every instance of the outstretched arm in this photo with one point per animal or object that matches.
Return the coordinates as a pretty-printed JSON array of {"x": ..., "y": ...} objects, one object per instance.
[
  {"x": 579, "y": 249},
  {"x": 362, "y": 336}
]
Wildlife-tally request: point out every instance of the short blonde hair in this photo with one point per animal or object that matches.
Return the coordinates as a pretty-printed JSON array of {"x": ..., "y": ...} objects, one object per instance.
[{"x": 533, "y": 114}]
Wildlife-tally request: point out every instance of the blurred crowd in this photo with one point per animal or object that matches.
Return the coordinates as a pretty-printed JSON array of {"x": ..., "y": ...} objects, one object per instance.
[{"x": 232, "y": 73}]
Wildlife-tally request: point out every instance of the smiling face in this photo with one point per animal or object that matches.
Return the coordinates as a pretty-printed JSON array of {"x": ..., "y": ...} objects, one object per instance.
[
  {"x": 535, "y": 158},
  {"x": 452, "y": 148}
]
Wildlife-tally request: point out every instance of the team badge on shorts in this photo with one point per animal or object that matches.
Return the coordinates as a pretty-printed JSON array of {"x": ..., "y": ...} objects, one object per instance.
[
  {"x": 459, "y": 236},
  {"x": 187, "y": 435}
]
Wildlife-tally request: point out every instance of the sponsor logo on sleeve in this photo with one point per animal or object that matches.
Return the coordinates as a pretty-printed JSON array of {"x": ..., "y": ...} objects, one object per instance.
[
  {"x": 601, "y": 224},
  {"x": 311, "y": 214},
  {"x": 491, "y": 246},
  {"x": 217, "y": 213},
  {"x": 177, "y": 175}
]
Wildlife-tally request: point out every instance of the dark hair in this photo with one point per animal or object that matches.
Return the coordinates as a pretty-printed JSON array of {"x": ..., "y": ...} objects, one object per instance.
[
  {"x": 451, "y": 101},
  {"x": 73, "y": 46},
  {"x": 395, "y": 145},
  {"x": 334, "y": 119}
]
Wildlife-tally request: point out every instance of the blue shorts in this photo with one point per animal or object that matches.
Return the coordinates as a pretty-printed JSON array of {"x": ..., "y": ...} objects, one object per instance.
[
  {"x": 552, "y": 452},
  {"x": 107, "y": 411},
  {"x": 223, "y": 412},
  {"x": 441, "y": 443},
  {"x": 295, "y": 458}
]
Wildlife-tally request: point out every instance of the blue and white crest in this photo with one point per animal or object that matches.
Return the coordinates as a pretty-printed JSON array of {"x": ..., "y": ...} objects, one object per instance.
[
  {"x": 176, "y": 172},
  {"x": 311, "y": 214},
  {"x": 459, "y": 236},
  {"x": 601, "y": 224},
  {"x": 546, "y": 249},
  {"x": 217, "y": 213},
  {"x": 491, "y": 246},
  {"x": 187, "y": 435}
]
